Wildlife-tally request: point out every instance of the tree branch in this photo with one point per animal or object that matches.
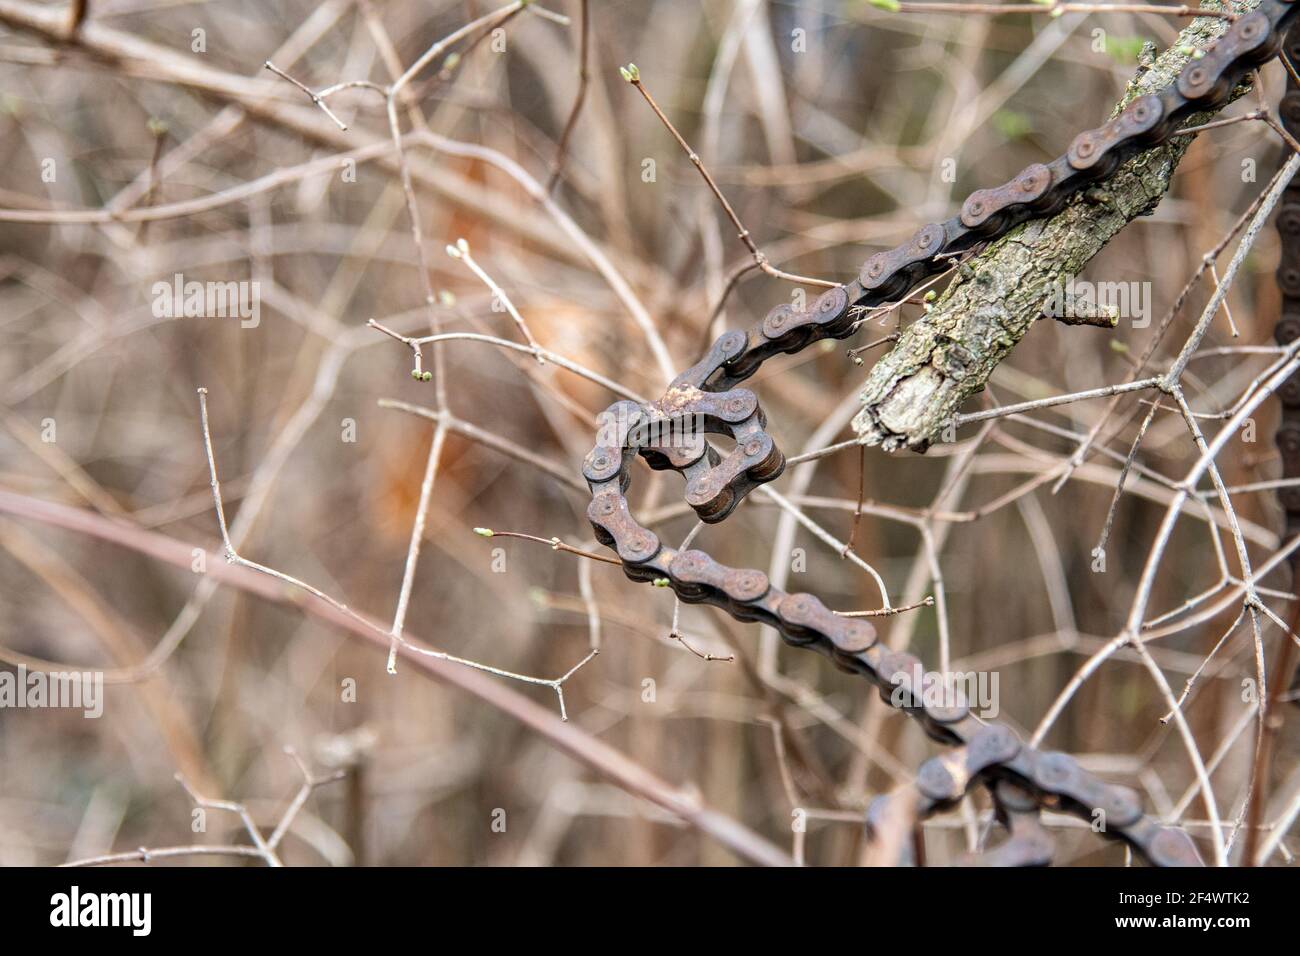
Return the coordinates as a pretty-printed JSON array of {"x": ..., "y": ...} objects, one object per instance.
[
  {"x": 574, "y": 741},
  {"x": 916, "y": 390}
]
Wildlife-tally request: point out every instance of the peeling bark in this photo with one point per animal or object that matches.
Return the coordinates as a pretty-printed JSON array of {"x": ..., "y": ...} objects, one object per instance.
[{"x": 914, "y": 392}]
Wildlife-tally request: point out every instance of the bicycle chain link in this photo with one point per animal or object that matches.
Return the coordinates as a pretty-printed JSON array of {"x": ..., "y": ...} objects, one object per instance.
[{"x": 666, "y": 434}]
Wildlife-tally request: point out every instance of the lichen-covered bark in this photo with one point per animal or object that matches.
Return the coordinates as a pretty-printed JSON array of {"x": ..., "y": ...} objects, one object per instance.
[{"x": 915, "y": 390}]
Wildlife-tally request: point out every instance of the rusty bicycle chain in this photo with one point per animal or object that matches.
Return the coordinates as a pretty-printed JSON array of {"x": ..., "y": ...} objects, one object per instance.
[{"x": 1023, "y": 779}]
